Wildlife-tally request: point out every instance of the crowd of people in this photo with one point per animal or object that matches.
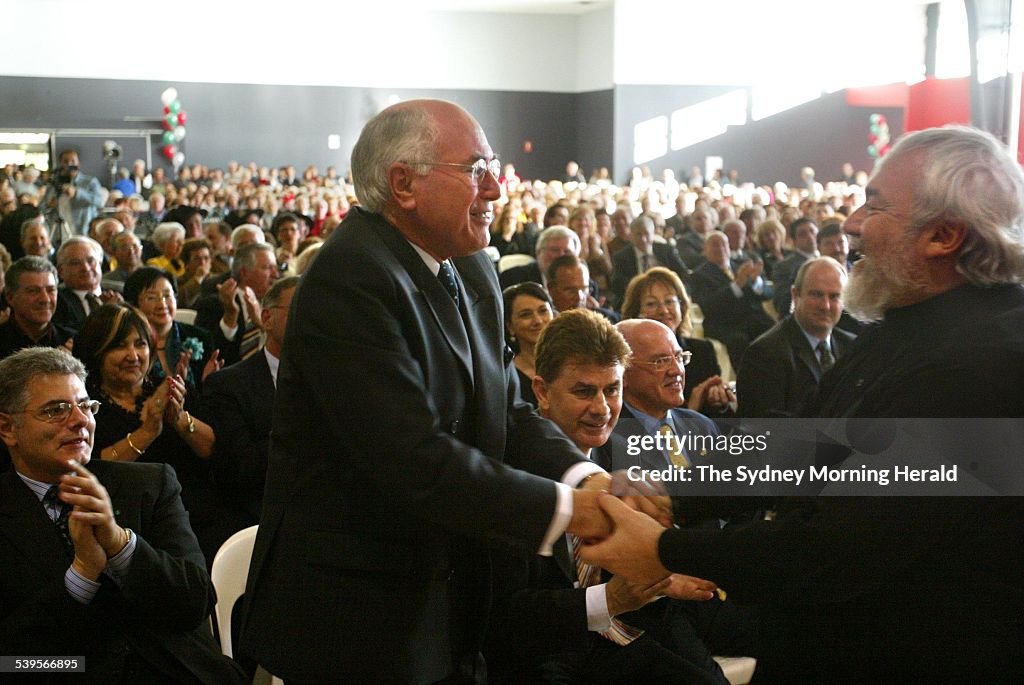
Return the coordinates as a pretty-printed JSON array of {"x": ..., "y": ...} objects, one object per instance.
[{"x": 148, "y": 324}]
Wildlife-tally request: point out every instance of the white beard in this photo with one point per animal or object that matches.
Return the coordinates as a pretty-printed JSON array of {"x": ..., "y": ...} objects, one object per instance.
[{"x": 878, "y": 285}]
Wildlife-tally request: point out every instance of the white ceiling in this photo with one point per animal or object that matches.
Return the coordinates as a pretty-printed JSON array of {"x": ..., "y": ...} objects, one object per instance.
[{"x": 521, "y": 6}]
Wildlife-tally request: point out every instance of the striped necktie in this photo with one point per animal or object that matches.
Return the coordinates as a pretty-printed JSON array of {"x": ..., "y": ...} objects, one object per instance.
[
  {"x": 825, "y": 357},
  {"x": 619, "y": 632},
  {"x": 52, "y": 501},
  {"x": 93, "y": 302},
  {"x": 251, "y": 339},
  {"x": 446, "y": 274},
  {"x": 674, "y": 447}
]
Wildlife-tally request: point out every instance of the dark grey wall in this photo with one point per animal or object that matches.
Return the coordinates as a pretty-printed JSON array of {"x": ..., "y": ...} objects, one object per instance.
[
  {"x": 822, "y": 134},
  {"x": 277, "y": 125},
  {"x": 595, "y": 130}
]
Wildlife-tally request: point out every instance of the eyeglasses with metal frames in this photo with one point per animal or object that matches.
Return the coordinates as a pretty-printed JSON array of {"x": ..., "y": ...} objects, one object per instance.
[
  {"x": 478, "y": 169},
  {"x": 682, "y": 357},
  {"x": 59, "y": 412}
]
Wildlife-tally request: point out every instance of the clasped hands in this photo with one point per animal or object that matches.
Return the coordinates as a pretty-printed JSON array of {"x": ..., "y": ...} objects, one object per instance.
[
  {"x": 620, "y": 521},
  {"x": 94, "y": 531}
]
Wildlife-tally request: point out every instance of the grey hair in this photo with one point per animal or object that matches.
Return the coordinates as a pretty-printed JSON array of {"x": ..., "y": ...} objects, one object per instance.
[
  {"x": 397, "y": 134},
  {"x": 558, "y": 233},
  {"x": 643, "y": 221},
  {"x": 246, "y": 229},
  {"x": 20, "y": 368},
  {"x": 245, "y": 257},
  {"x": 97, "y": 251},
  {"x": 27, "y": 264},
  {"x": 277, "y": 290},
  {"x": 165, "y": 231},
  {"x": 28, "y": 223},
  {"x": 967, "y": 175}
]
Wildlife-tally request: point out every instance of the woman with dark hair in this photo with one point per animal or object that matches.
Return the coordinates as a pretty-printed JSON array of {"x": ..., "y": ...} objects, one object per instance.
[
  {"x": 179, "y": 348},
  {"x": 659, "y": 294},
  {"x": 528, "y": 309},
  {"x": 146, "y": 421}
]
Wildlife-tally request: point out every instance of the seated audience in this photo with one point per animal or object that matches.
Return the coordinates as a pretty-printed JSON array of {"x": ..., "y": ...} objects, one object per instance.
[
  {"x": 659, "y": 294},
  {"x": 237, "y": 402},
  {"x": 99, "y": 560},
  {"x": 198, "y": 257},
  {"x": 127, "y": 250},
  {"x": 31, "y": 292},
  {"x": 35, "y": 238},
  {"x": 78, "y": 265},
  {"x": 528, "y": 309},
  {"x": 169, "y": 237},
  {"x": 552, "y": 243},
  {"x": 143, "y": 421},
  {"x": 730, "y": 300},
  {"x": 803, "y": 232},
  {"x": 554, "y": 620},
  {"x": 181, "y": 350},
  {"x": 690, "y": 244},
  {"x": 509, "y": 232},
  {"x": 770, "y": 238},
  {"x": 568, "y": 281},
  {"x": 643, "y": 254},
  {"x": 233, "y": 313},
  {"x": 783, "y": 367}
]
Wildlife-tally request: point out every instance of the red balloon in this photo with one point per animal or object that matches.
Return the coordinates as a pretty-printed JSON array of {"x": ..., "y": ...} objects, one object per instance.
[
  {"x": 167, "y": 110},
  {"x": 169, "y": 151},
  {"x": 182, "y": 117},
  {"x": 872, "y": 138}
]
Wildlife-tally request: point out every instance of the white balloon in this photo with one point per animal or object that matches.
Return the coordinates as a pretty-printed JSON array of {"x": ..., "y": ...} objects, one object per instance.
[
  {"x": 179, "y": 133},
  {"x": 169, "y": 96},
  {"x": 178, "y": 159}
]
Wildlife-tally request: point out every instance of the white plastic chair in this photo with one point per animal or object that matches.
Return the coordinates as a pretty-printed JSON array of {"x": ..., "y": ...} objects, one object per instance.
[
  {"x": 185, "y": 316},
  {"x": 511, "y": 261},
  {"x": 738, "y": 670},
  {"x": 493, "y": 253},
  {"x": 230, "y": 570}
]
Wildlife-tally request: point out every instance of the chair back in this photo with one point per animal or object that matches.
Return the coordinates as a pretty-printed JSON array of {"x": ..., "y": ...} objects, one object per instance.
[{"x": 229, "y": 573}]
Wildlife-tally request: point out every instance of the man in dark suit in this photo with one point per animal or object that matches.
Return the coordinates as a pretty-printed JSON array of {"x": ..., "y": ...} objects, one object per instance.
[
  {"x": 31, "y": 292},
  {"x": 731, "y": 301},
  {"x": 233, "y": 314},
  {"x": 552, "y": 616},
  {"x": 78, "y": 264},
  {"x": 690, "y": 243},
  {"x": 552, "y": 243},
  {"x": 394, "y": 403},
  {"x": 643, "y": 254},
  {"x": 851, "y": 585},
  {"x": 783, "y": 367},
  {"x": 803, "y": 232},
  {"x": 237, "y": 403},
  {"x": 98, "y": 563}
]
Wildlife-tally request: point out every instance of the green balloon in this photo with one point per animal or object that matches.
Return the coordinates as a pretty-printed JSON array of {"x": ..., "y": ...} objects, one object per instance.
[
  {"x": 875, "y": 118},
  {"x": 175, "y": 107},
  {"x": 171, "y": 120},
  {"x": 875, "y": 129},
  {"x": 169, "y": 138},
  {"x": 872, "y": 150}
]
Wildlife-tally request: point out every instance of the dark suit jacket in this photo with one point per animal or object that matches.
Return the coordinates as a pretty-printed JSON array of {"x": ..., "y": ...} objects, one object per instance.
[
  {"x": 237, "y": 403},
  {"x": 690, "y": 246},
  {"x": 386, "y": 480},
  {"x": 70, "y": 312},
  {"x": 733, "y": 320},
  {"x": 520, "y": 274},
  {"x": 780, "y": 371},
  {"x": 158, "y": 615},
  {"x": 624, "y": 264},
  {"x": 209, "y": 311}
]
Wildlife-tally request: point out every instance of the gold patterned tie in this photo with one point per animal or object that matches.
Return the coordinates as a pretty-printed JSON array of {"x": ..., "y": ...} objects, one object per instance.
[{"x": 674, "y": 447}]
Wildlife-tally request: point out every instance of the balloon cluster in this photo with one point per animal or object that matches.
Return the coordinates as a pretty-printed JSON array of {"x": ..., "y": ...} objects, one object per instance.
[
  {"x": 174, "y": 126},
  {"x": 878, "y": 136}
]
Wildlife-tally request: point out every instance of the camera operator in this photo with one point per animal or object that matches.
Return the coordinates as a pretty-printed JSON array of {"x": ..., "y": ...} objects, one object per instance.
[{"x": 72, "y": 196}]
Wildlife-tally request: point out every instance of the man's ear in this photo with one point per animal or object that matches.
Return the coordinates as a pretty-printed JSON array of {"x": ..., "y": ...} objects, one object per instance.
[
  {"x": 540, "y": 389},
  {"x": 943, "y": 238},
  {"x": 7, "y": 433},
  {"x": 400, "y": 179}
]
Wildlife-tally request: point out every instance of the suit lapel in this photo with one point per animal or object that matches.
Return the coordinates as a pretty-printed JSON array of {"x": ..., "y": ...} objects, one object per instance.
[
  {"x": 441, "y": 306},
  {"x": 804, "y": 354},
  {"x": 25, "y": 525}
]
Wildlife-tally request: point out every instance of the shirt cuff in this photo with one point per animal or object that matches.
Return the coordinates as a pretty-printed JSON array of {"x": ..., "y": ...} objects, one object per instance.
[
  {"x": 598, "y": 619},
  {"x": 758, "y": 286},
  {"x": 736, "y": 290},
  {"x": 229, "y": 333},
  {"x": 80, "y": 588},
  {"x": 573, "y": 476},
  {"x": 118, "y": 565}
]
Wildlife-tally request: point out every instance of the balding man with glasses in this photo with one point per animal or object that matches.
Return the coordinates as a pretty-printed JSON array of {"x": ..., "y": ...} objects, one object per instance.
[{"x": 100, "y": 565}]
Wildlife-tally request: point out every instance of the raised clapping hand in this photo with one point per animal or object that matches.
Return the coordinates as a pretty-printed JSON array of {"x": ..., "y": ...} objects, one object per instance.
[
  {"x": 91, "y": 525},
  {"x": 632, "y": 548}
]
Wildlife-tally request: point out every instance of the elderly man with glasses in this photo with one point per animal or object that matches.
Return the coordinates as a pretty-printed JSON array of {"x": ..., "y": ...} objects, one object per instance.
[{"x": 101, "y": 569}]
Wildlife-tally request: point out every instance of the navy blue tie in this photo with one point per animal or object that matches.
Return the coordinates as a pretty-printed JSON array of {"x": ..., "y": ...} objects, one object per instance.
[
  {"x": 52, "y": 501},
  {"x": 446, "y": 274}
]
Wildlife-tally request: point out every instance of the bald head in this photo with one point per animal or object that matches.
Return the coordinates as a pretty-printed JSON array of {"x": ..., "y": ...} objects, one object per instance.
[{"x": 655, "y": 382}]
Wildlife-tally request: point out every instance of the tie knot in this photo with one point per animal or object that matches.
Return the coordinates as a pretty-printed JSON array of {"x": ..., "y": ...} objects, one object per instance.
[{"x": 51, "y": 498}]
